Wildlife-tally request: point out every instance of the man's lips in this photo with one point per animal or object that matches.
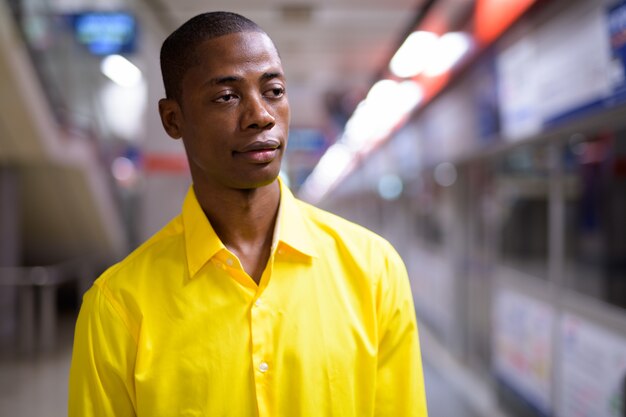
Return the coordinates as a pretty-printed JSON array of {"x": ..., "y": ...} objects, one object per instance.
[
  {"x": 260, "y": 145},
  {"x": 260, "y": 152}
]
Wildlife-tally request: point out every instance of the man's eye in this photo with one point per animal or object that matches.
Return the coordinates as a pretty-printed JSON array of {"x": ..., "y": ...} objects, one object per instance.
[
  {"x": 226, "y": 98},
  {"x": 276, "y": 92}
]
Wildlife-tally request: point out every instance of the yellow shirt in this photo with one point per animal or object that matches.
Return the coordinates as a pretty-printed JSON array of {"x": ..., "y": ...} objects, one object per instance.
[{"x": 179, "y": 329}]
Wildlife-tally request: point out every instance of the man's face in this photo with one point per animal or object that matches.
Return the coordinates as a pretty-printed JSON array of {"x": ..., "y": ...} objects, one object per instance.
[{"x": 233, "y": 113}]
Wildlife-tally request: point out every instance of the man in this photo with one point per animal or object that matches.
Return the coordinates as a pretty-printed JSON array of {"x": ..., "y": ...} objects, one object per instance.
[{"x": 250, "y": 302}]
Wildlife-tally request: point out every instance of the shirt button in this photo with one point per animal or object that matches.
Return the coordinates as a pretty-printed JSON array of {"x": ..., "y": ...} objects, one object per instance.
[
  {"x": 263, "y": 367},
  {"x": 258, "y": 302},
  {"x": 229, "y": 261}
]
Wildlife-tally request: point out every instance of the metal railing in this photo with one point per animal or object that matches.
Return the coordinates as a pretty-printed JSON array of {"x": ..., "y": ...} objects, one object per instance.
[{"x": 37, "y": 310}]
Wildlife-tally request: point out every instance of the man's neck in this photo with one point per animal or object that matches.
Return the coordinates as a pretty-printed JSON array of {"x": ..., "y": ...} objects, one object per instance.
[{"x": 244, "y": 221}]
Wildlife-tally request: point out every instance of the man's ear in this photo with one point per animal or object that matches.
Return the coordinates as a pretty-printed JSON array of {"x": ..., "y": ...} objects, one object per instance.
[{"x": 171, "y": 117}]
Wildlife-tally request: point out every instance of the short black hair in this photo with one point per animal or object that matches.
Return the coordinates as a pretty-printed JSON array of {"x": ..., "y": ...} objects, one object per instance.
[{"x": 178, "y": 50}]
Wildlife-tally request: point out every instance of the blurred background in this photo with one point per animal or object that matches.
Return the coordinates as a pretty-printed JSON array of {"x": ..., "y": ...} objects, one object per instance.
[{"x": 486, "y": 139}]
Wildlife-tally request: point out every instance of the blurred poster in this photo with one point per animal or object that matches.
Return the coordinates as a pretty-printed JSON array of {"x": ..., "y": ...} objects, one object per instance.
[
  {"x": 522, "y": 339},
  {"x": 617, "y": 30},
  {"x": 616, "y": 17},
  {"x": 572, "y": 77},
  {"x": 485, "y": 96},
  {"x": 518, "y": 92},
  {"x": 571, "y": 66},
  {"x": 592, "y": 370}
]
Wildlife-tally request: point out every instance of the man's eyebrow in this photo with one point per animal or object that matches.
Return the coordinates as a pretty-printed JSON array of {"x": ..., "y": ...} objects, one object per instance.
[
  {"x": 271, "y": 75},
  {"x": 224, "y": 80}
]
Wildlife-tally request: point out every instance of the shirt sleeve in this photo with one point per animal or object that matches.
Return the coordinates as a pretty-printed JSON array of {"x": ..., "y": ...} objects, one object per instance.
[
  {"x": 101, "y": 372},
  {"x": 400, "y": 383}
]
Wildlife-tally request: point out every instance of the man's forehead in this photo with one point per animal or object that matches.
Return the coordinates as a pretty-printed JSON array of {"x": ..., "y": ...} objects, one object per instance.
[
  {"x": 237, "y": 54},
  {"x": 238, "y": 44}
]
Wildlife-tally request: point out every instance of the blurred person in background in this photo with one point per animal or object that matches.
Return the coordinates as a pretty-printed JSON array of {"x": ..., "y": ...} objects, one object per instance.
[{"x": 250, "y": 302}]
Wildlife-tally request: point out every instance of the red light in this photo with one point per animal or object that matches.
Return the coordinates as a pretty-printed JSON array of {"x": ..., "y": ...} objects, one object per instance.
[
  {"x": 165, "y": 163},
  {"x": 492, "y": 17}
]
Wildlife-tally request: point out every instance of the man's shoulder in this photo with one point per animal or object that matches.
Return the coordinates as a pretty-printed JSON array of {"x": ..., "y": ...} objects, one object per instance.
[
  {"x": 359, "y": 250},
  {"x": 342, "y": 230},
  {"x": 167, "y": 243}
]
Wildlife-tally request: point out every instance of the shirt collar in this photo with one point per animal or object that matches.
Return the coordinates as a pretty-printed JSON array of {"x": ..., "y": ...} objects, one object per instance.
[
  {"x": 291, "y": 225},
  {"x": 202, "y": 243}
]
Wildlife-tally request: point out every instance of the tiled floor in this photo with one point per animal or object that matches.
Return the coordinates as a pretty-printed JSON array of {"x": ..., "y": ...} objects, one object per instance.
[
  {"x": 37, "y": 387},
  {"x": 441, "y": 398}
]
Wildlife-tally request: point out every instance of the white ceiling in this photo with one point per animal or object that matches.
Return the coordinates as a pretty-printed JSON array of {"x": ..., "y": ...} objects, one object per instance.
[{"x": 335, "y": 46}]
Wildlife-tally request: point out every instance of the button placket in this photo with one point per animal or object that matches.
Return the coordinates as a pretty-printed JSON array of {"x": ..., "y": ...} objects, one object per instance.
[
  {"x": 261, "y": 332},
  {"x": 262, "y": 351}
]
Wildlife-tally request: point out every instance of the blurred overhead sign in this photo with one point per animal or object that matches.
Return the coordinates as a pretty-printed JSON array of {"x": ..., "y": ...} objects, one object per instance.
[{"x": 105, "y": 33}]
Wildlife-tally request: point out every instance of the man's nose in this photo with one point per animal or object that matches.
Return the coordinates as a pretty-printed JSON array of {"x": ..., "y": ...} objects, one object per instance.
[{"x": 257, "y": 114}]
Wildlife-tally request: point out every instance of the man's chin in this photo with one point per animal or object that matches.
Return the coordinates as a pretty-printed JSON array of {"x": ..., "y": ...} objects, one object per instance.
[{"x": 260, "y": 181}]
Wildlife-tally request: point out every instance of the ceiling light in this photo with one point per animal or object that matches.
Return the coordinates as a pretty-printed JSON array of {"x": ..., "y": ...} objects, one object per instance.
[
  {"x": 120, "y": 70},
  {"x": 387, "y": 103},
  {"x": 451, "y": 47},
  {"x": 412, "y": 57}
]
